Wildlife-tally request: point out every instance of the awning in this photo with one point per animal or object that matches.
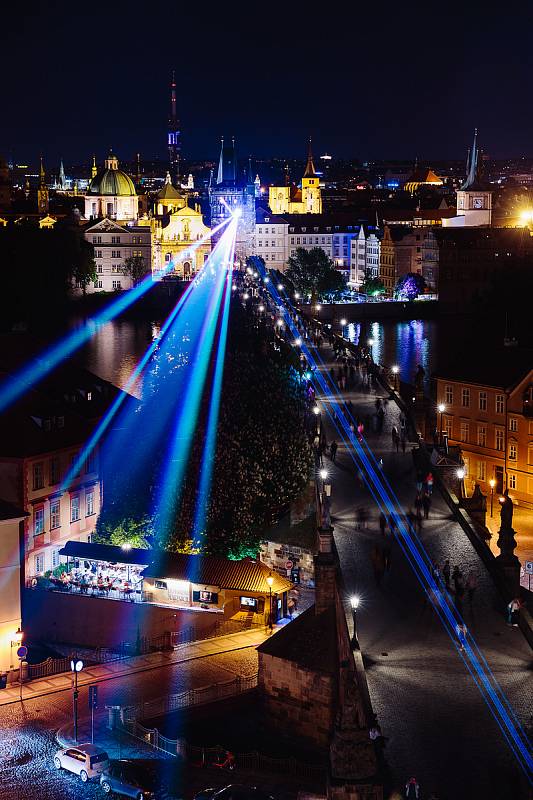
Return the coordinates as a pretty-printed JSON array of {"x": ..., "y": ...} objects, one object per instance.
[{"x": 91, "y": 551}]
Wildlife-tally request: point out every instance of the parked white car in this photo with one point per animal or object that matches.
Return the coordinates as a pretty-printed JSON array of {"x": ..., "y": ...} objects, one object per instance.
[{"x": 85, "y": 760}]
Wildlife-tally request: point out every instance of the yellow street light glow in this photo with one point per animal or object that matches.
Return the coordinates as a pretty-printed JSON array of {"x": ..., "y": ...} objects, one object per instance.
[
  {"x": 442, "y": 408},
  {"x": 460, "y": 474},
  {"x": 318, "y": 307},
  {"x": 492, "y": 483},
  {"x": 323, "y": 474},
  {"x": 526, "y": 216},
  {"x": 316, "y": 410}
]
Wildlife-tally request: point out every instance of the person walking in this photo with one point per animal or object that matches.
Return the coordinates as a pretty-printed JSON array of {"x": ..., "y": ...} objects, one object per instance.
[
  {"x": 457, "y": 577},
  {"x": 412, "y": 789},
  {"x": 512, "y": 611},
  {"x": 333, "y": 451},
  {"x": 429, "y": 483},
  {"x": 426, "y": 504},
  {"x": 403, "y": 441},
  {"x": 392, "y": 524},
  {"x": 446, "y": 571},
  {"x": 471, "y": 586},
  {"x": 382, "y": 523},
  {"x": 461, "y": 630}
]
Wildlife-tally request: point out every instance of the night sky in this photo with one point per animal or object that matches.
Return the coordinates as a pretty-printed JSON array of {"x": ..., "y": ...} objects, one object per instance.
[{"x": 379, "y": 80}]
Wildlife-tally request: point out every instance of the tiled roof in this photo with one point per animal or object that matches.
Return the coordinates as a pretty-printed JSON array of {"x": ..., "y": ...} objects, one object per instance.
[{"x": 246, "y": 575}]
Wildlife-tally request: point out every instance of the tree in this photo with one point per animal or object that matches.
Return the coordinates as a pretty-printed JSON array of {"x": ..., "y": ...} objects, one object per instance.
[
  {"x": 135, "y": 532},
  {"x": 135, "y": 268},
  {"x": 84, "y": 265},
  {"x": 313, "y": 273},
  {"x": 371, "y": 285},
  {"x": 409, "y": 286}
]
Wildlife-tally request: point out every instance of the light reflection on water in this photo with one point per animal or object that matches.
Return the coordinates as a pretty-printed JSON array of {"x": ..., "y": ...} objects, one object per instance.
[
  {"x": 115, "y": 349},
  {"x": 406, "y": 344}
]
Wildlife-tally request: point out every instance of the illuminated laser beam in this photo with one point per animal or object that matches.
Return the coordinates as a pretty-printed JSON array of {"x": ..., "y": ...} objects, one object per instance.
[
  {"x": 46, "y": 361},
  {"x": 185, "y": 424},
  {"x": 208, "y": 455},
  {"x": 119, "y": 400},
  {"x": 419, "y": 560}
]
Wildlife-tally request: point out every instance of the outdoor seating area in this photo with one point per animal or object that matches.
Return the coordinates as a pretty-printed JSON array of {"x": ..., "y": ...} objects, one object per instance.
[{"x": 119, "y": 582}]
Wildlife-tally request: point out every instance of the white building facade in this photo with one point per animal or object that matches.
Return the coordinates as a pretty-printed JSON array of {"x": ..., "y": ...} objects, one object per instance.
[
  {"x": 113, "y": 244},
  {"x": 365, "y": 253},
  {"x": 270, "y": 240}
]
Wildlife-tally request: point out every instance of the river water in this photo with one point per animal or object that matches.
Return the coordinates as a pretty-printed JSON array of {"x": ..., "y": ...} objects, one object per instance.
[{"x": 116, "y": 347}]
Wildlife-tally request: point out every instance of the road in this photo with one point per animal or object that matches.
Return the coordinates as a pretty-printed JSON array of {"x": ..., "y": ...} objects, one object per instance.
[{"x": 437, "y": 725}]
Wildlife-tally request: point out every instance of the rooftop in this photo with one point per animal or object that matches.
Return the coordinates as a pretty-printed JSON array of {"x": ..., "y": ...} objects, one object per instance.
[
  {"x": 309, "y": 641},
  {"x": 246, "y": 575},
  {"x": 499, "y": 367}
]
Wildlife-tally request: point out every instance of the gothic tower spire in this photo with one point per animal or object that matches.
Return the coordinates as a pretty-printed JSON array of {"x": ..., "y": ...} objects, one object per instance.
[
  {"x": 310, "y": 168},
  {"x": 472, "y": 173},
  {"x": 94, "y": 169},
  {"x": 174, "y": 133}
]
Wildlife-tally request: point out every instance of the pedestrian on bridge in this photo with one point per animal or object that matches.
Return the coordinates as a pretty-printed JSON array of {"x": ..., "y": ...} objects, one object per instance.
[
  {"x": 382, "y": 523},
  {"x": 333, "y": 451},
  {"x": 446, "y": 572},
  {"x": 471, "y": 585},
  {"x": 426, "y": 504}
]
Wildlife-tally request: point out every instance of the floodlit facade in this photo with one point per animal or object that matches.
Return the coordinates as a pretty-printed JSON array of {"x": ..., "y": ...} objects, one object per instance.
[
  {"x": 111, "y": 193},
  {"x": 11, "y": 523},
  {"x": 113, "y": 244},
  {"x": 290, "y": 199}
]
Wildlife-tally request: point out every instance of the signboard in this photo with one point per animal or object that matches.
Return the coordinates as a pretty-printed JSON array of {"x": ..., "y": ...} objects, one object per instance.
[
  {"x": 289, "y": 565},
  {"x": 528, "y": 567},
  {"x": 93, "y": 696},
  {"x": 22, "y": 651}
]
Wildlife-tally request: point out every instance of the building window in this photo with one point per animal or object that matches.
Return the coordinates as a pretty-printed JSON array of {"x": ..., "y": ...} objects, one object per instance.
[
  {"x": 55, "y": 558},
  {"x": 38, "y": 516},
  {"x": 499, "y": 440},
  {"x": 39, "y": 564},
  {"x": 448, "y": 426},
  {"x": 448, "y": 395},
  {"x": 482, "y": 435},
  {"x": 513, "y": 424},
  {"x": 55, "y": 514},
  {"x": 513, "y": 452},
  {"x": 512, "y": 481},
  {"x": 74, "y": 508},
  {"x": 89, "y": 504},
  {"x": 117, "y": 284},
  {"x": 38, "y": 476},
  {"x": 483, "y": 401},
  {"x": 465, "y": 398},
  {"x": 499, "y": 403},
  {"x": 464, "y": 432},
  {"x": 481, "y": 470},
  {"x": 54, "y": 471}
]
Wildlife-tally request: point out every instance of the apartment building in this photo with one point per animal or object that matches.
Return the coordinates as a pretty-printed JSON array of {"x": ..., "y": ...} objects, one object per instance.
[
  {"x": 41, "y": 436},
  {"x": 488, "y": 413}
]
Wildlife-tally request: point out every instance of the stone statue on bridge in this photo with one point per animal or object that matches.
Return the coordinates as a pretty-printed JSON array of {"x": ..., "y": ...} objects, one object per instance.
[{"x": 506, "y": 512}]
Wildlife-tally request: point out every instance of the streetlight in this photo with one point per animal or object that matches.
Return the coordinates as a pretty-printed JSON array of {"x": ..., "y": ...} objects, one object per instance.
[
  {"x": 296, "y": 295},
  {"x": 15, "y": 642},
  {"x": 354, "y": 602},
  {"x": 270, "y": 581},
  {"x": 395, "y": 369},
  {"x": 344, "y": 322},
  {"x": 492, "y": 484},
  {"x": 76, "y": 665},
  {"x": 316, "y": 411},
  {"x": 318, "y": 307},
  {"x": 266, "y": 279},
  {"x": 298, "y": 342},
  {"x": 441, "y": 408},
  {"x": 261, "y": 309},
  {"x": 370, "y": 343},
  {"x": 323, "y": 474},
  {"x": 280, "y": 287},
  {"x": 245, "y": 296}
]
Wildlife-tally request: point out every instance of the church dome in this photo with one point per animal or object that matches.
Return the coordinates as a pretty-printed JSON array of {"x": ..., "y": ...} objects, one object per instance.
[{"x": 111, "y": 181}]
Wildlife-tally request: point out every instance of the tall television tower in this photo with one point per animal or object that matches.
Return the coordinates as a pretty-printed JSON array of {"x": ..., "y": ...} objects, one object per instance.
[{"x": 174, "y": 134}]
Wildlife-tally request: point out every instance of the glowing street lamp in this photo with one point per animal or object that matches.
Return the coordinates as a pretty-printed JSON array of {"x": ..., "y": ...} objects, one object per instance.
[
  {"x": 344, "y": 322},
  {"x": 316, "y": 411},
  {"x": 323, "y": 474},
  {"x": 441, "y": 409},
  {"x": 296, "y": 295},
  {"x": 76, "y": 666},
  {"x": 298, "y": 342},
  {"x": 354, "y": 603},
  {"x": 280, "y": 287},
  {"x": 245, "y": 296},
  {"x": 370, "y": 342},
  {"x": 266, "y": 279},
  {"x": 261, "y": 309},
  {"x": 492, "y": 484},
  {"x": 270, "y": 581}
]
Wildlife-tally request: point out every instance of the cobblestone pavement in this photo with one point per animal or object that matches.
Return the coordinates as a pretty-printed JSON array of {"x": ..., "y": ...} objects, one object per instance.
[
  {"x": 27, "y": 741},
  {"x": 437, "y": 725}
]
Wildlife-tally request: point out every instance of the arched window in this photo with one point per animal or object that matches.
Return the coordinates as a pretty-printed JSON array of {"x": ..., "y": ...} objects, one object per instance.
[{"x": 187, "y": 268}]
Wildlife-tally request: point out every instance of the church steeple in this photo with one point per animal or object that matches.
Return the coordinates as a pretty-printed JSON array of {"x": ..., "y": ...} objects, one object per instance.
[
  {"x": 472, "y": 172},
  {"x": 94, "y": 170},
  {"x": 61, "y": 175},
  {"x": 220, "y": 173},
  {"x": 310, "y": 168},
  {"x": 174, "y": 133},
  {"x": 42, "y": 191}
]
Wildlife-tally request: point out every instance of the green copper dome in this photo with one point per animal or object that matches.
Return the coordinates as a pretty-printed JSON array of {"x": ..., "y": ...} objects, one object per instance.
[{"x": 111, "y": 181}]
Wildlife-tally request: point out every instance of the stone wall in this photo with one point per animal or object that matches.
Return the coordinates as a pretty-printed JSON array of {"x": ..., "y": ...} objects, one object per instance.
[
  {"x": 275, "y": 555},
  {"x": 299, "y": 700}
]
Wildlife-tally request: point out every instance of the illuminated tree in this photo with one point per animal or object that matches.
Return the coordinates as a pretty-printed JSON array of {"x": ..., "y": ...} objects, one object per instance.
[
  {"x": 372, "y": 286},
  {"x": 409, "y": 286},
  {"x": 313, "y": 273}
]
